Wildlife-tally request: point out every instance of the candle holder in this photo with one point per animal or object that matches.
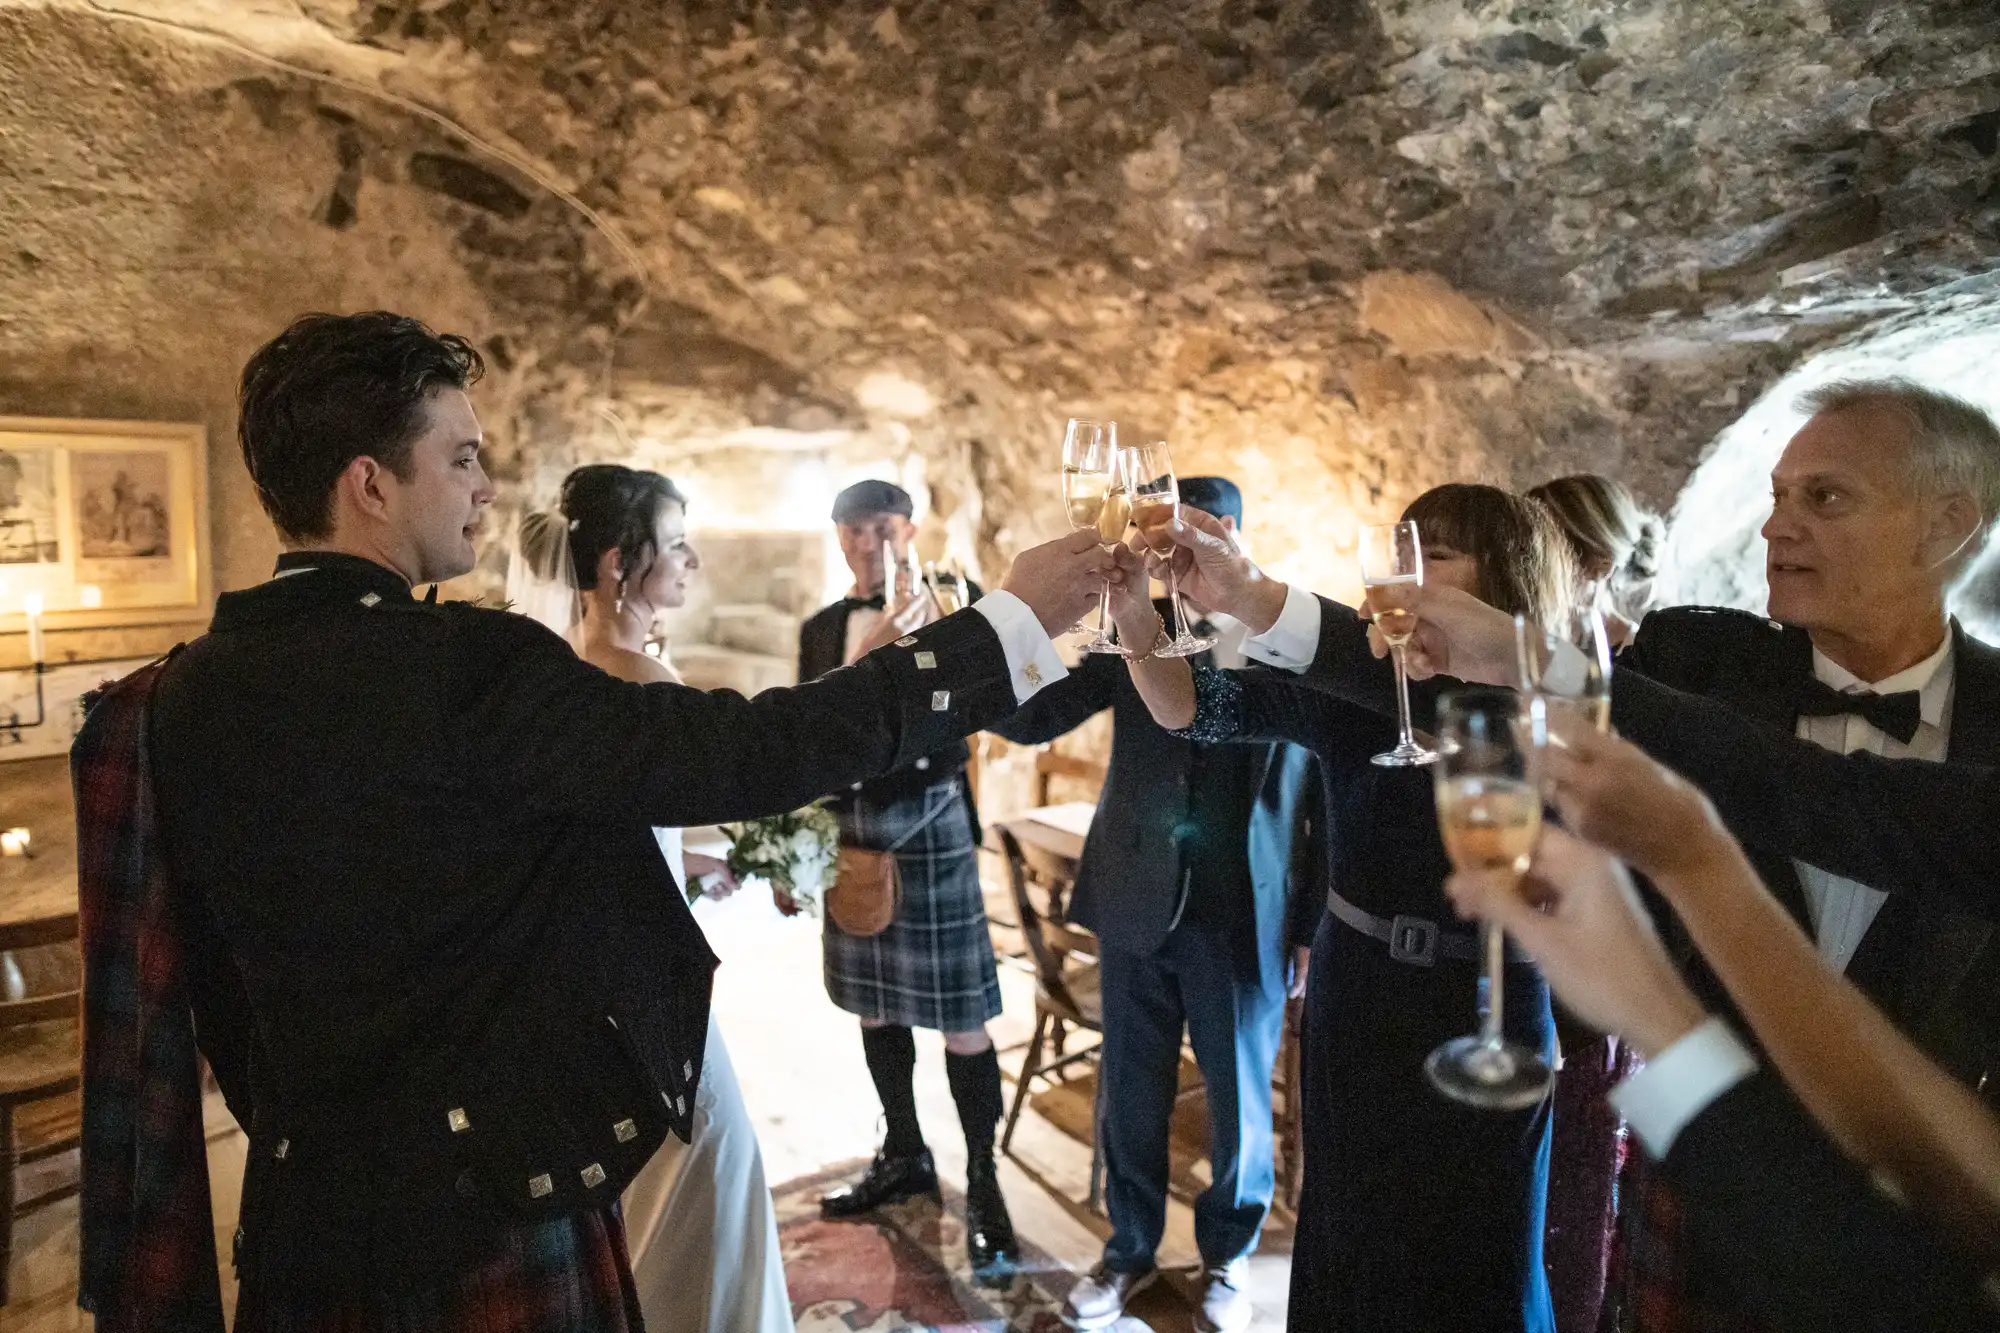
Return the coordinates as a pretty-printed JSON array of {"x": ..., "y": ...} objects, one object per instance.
[{"x": 15, "y": 723}]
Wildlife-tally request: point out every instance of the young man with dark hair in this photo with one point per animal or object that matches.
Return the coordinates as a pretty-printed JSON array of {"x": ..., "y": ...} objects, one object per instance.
[{"x": 396, "y": 858}]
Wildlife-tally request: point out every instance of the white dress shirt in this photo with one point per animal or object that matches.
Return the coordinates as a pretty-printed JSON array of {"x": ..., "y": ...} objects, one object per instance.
[
  {"x": 1842, "y": 910},
  {"x": 861, "y": 622},
  {"x": 1293, "y": 639},
  {"x": 1680, "y": 1083},
  {"x": 1661, "y": 1099}
]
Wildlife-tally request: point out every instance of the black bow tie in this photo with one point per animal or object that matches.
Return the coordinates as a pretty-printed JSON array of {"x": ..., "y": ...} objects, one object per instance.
[
  {"x": 875, "y": 603},
  {"x": 1896, "y": 715}
]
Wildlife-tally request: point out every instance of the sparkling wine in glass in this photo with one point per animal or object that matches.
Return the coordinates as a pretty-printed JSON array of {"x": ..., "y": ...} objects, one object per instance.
[
  {"x": 1489, "y": 807},
  {"x": 1392, "y": 568},
  {"x": 1568, "y": 665},
  {"x": 947, "y": 585},
  {"x": 1156, "y": 501},
  {"x": 1097, "y": 493}
]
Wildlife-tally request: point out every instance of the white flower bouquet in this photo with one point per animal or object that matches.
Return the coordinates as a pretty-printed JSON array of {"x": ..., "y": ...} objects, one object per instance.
[{"x": 793, "y": 853}]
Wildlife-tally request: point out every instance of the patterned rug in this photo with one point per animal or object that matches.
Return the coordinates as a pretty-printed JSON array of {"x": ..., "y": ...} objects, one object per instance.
[{"x": 904, "y": 1268}]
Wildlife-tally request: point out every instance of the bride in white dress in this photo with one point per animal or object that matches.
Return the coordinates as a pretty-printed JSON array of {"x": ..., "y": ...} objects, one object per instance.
[{"x": 699, "y": 1221}]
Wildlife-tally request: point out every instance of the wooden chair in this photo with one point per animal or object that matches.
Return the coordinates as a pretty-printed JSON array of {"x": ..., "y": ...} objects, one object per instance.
[
  {"x": 1064, "y": 994},
  {"x": 1049, "y": 765},
  {"x": 40, "y": 1068},
  {"x": 1288, "y": 1118}
]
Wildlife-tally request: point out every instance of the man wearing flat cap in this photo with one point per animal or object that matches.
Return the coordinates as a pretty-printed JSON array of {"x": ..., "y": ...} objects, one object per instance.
[{"x": 932, "y": 966}]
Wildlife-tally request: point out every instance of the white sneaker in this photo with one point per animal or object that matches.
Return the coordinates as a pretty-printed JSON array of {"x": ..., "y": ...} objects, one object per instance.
[
  {"x": 1098, "y": 1301},
  {"x": 1225, "y": 1305}
]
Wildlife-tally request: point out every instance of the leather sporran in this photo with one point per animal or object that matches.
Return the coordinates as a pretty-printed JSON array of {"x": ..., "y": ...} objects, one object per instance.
[
  {"x": 866, "y": 888},
  {"x": 868, "y": 885}
]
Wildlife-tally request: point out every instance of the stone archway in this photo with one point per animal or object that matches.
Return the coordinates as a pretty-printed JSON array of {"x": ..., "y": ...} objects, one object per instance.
[{"x": 1714, "y": 554}]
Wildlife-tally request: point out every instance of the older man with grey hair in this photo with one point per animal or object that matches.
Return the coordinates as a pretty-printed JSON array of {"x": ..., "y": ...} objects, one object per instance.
[{"x": 1882, "y": 500}]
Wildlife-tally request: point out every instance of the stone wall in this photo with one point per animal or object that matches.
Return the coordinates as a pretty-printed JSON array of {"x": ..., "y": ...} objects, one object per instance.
[
  {"x": 1342, "y": 250},
  {"x": 166, "y": 209}
]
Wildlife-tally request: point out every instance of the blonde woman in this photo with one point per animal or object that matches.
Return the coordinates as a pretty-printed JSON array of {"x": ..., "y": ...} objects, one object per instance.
[{"x": 1614, "y": 542}]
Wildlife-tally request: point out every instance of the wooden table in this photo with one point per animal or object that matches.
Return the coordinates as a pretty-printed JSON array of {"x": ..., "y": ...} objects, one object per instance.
[
  {"x": 1057, "y": 831},
  {"x": 38, "y": 913},
  {"x": 1059, "y": 838},
  {"x": 38, "y": 892}
]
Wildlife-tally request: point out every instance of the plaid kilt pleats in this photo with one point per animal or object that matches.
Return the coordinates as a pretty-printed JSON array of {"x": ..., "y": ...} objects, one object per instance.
[{"x": 933, "y": 967}]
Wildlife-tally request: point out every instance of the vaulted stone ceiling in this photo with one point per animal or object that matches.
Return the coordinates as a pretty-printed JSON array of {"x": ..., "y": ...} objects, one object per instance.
[{"x": 1345, "y": 249}]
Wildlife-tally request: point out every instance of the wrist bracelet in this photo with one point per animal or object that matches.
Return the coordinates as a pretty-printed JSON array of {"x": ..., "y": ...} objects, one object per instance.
[{"x": 1159, "y": 637}]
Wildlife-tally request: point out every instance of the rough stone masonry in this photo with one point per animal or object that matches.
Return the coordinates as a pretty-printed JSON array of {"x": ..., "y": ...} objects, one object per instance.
[{"x": 1344, "y": 249}]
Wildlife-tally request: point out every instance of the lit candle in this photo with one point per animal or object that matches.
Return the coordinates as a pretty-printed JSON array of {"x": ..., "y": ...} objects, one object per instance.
[
  {"x": 91, "y": 596},
  {"x": 14, "y": 842},
  {"x": 32, "y": 604}
]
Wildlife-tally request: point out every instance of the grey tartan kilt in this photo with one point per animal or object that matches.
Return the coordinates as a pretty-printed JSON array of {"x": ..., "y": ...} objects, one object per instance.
[{"x": 933, "y": 967}]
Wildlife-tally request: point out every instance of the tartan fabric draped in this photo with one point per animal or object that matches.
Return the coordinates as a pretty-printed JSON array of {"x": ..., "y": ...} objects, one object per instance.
[
  {"x": 148, "y": 1238},
  {"x": 565, "y": 1275},
  {"x": 149, "y": 1262}
]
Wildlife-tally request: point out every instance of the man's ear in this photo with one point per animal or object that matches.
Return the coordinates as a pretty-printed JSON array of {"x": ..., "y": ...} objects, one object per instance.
[
  {"x": 364, "y": 484},
  {"x": 1954, "y": 528},
  {"x": 1229, "y": 522}
]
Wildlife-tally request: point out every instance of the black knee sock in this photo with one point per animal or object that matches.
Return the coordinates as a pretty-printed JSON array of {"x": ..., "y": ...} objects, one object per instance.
[
  {"x": 892, "y": 1061},
  {"x": 975, "y": 1086}
]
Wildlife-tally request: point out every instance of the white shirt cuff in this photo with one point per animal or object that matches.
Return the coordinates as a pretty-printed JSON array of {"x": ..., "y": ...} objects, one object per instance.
[
  {"x": 1032, "y": 660},
  {"x": 1680, "y": 1083},
  {"x": 1292, "y": 642}
]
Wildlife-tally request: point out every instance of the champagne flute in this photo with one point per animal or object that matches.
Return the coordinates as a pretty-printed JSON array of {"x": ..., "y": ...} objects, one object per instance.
[
  {"x": 1489, "y": 808},
  {"x": 1392, "y": 568},
  {"x": 1098, "y": 495},
  {"x": 1571, "y": 684},
  {"x": 947, "y": 584},
  {"x": 1156, "y": 502}
]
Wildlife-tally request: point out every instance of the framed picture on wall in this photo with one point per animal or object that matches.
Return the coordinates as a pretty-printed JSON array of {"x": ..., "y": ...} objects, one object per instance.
[
  {"x": 28, "y": 507},
  {"x": 102, "y": 522}
]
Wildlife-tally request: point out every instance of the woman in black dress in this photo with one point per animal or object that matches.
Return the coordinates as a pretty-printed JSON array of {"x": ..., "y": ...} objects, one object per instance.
[{"x": 1417, "y": 1213}]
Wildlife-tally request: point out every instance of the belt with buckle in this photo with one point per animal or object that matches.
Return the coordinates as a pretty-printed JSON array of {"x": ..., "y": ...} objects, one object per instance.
[{"x": 1415, "y": 940}]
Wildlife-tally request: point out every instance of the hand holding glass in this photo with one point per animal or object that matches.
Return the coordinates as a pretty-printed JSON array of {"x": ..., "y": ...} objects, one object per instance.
[
  {"x": 1489, "y": 807},
  {"x": 1392, "y": 567},
  {"x": 1156, "y": 502},
  {"x": 1571, "y": 684},
  {"x": 1098, "y": 494}
]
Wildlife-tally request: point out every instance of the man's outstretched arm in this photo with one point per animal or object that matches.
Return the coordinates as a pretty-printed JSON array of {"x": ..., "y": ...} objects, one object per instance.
[{"x": 556, "y": 736}]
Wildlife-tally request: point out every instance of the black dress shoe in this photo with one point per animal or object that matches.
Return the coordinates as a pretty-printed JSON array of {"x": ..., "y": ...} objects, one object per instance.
[
  {"x": 889, "y": 1180},
  {"x": 989, "y": 1232}
]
